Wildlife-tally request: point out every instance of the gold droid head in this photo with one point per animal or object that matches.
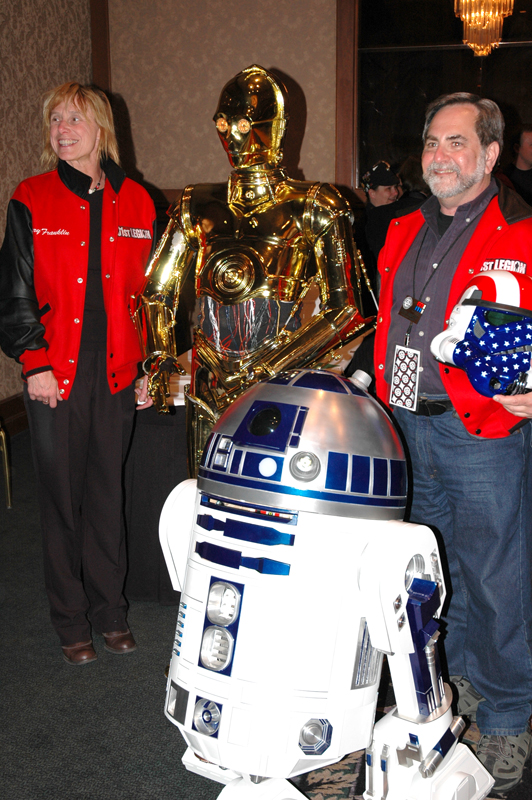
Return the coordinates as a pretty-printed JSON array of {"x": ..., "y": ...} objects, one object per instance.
[{"x": 251, "y": 118}]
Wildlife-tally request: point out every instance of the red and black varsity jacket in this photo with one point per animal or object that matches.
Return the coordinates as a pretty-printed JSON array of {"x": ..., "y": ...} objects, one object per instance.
[{"x": 43, "y": 271}]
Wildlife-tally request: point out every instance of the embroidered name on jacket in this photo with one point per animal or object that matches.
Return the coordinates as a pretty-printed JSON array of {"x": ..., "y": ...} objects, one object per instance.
[
  {"x": 134, "y": 233},
  {"x": 508, "y": 264},
  {"x": 47, "y": 232}
]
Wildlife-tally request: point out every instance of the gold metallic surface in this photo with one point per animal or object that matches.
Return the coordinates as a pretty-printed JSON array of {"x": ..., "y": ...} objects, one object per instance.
[{"x": 255, "y": 246}]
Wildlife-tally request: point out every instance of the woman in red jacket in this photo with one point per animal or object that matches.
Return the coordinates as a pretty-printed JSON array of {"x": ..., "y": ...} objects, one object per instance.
[{"x": 77, "y": 241}]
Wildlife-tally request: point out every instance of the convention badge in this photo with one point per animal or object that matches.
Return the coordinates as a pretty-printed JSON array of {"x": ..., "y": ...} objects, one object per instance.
[
  {"x": 412, "y": 309},
  {"x": 405, "y": 377}
]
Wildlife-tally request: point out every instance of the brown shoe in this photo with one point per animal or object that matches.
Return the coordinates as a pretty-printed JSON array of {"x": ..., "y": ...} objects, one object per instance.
[
  {"x": 79, "y": 654},
  {"x": 119, "y": 642}
]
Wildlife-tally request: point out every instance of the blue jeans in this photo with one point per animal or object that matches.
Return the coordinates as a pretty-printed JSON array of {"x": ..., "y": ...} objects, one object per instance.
[{"x": 478, "y": 494}]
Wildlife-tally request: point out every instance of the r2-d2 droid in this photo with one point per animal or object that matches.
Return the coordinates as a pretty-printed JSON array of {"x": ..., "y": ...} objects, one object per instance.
[{"x": 296, "y": 574}]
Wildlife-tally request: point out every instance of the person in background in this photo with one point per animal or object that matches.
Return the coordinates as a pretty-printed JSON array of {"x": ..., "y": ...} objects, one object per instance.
[
  {"x": 382, "y": 188},
  {"x": 520, "y": 173},
  {"x": 77, "y": 241},
  {"x": 415, "y": 192},
  {"x": 381, "y": 185},
  {"x": 470, "y": 455}
]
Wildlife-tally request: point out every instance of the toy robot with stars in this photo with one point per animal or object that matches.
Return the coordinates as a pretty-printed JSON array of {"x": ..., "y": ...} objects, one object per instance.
[
  {"x": 490, "y": 333},
  {"x": 297, "y": 575}
]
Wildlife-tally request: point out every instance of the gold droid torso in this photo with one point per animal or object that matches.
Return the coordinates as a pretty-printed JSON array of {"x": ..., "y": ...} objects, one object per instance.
[
  {"x": 252, "y": 248},
  {"x": 255, "y": 242},
  {"x": 255, "y": 246}
]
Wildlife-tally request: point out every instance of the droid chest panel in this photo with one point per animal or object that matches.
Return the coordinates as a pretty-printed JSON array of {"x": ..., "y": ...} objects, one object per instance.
[
  {"x": 233, "y": 274},
  {"x": 264, "y": 255}
]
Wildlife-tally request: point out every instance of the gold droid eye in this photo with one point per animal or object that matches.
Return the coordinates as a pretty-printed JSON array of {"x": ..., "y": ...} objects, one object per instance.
[
  {"x": 244, "y": 126},
  {"x": 222, "y": 125}
]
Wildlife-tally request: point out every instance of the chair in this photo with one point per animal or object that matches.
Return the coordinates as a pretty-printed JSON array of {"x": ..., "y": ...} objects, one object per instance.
[{"x": 7, "y": 471}]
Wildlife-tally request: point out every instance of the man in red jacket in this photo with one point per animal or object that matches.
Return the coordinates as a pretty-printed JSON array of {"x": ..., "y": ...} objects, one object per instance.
[{"x": 470, "y": 454}]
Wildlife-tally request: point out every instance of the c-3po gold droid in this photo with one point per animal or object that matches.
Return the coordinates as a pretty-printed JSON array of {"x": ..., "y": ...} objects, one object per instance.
[{"x": 256, "y": 245}]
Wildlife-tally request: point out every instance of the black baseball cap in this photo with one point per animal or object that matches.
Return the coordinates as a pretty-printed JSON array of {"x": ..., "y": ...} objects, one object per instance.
[{"x": 380, "y": 174}]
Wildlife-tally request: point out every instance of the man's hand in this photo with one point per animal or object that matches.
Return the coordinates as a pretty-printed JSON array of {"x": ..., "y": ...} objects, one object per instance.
[
  {"x": 518, "y": 404},
  {"x": 43, "y": 387},
  {"x": 143, "y": 398}
]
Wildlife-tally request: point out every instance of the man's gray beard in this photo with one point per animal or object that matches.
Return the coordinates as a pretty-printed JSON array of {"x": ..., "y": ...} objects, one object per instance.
[{"x": 463, "y": 182}]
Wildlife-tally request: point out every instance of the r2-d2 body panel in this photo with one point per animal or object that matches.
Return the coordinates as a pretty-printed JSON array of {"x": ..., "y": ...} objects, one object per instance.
[{"x": 295, "y": 578}]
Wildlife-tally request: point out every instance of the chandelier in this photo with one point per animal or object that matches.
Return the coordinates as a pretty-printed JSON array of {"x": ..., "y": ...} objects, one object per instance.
[{"x": 483, "y": 22}]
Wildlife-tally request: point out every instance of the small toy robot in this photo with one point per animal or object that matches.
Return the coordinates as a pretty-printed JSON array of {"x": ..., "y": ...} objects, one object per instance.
[{"x": 297, "y": 576}]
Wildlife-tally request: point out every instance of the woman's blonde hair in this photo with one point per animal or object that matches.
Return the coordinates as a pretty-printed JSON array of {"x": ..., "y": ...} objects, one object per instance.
[{"x": 89, "y": 99}]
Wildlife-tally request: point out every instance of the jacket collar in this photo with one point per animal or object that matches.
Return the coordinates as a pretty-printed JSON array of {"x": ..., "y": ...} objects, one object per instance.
[
  {"x": 512, "y": 206},
  {"x": 79, "y": 183}
]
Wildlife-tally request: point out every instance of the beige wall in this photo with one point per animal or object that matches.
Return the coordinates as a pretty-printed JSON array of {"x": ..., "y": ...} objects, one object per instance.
[
  {"x": 172, "y": 58},
  {"x": 43, "y": 43},
  {"x": 169, "y": 62}
]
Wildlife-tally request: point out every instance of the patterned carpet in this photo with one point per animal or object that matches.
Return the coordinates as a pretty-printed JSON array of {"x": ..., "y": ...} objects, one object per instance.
[{"x": 341, "y": 781}]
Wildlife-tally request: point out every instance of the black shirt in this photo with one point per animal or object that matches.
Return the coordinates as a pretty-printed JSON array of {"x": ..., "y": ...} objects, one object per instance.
[{"x": 94, "y": 331}]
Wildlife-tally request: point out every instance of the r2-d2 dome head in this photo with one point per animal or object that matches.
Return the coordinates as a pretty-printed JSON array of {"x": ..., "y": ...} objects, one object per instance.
[
  {"x": 307, "y": 440},
  {"x": 490, "y": 333},
  {"x": 251, "y": 118}
]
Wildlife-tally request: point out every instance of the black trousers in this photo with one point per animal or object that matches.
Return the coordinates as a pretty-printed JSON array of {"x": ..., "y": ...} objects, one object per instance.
[{"x": 78, "y": 450}]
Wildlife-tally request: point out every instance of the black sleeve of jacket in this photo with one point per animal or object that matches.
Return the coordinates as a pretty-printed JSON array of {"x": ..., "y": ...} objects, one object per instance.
[
  {"x": 20, "y": 327},
  {"x": 154, "y": 240}
]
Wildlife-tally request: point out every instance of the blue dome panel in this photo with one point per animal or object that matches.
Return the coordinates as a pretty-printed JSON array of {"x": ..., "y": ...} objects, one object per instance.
[{"x": 326, "y": 381}]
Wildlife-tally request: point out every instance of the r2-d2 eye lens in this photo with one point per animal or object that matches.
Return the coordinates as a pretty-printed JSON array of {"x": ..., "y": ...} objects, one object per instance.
[
  {"x": 305, "y": 466},
  {"x": 265, "y": 422}
]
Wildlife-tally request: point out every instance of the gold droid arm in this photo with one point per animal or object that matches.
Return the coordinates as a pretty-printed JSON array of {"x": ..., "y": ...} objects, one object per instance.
[
  {"x": 157, "y": 305},
  {"x": 327, "y": 228}
]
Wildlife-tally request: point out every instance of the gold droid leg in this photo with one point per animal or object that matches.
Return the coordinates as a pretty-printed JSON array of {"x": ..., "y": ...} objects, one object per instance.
[{"x": 201, "y": 415}]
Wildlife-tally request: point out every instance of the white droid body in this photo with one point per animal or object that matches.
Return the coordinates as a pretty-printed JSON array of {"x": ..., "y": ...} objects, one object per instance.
[{"x": 297, "y": 576}]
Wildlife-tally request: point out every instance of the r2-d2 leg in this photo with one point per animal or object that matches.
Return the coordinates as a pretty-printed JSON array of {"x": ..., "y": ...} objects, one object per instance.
[{"x": 415, "y": 754}]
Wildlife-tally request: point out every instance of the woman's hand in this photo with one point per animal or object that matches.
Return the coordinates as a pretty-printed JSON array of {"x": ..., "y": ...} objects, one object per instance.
[
  {"x": 143, "y": 398},
  {"x": 43, "y": 387}
]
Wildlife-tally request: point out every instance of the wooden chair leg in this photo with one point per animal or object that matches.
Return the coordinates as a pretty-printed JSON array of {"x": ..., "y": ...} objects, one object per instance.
[{"x": 7, "y": 470}]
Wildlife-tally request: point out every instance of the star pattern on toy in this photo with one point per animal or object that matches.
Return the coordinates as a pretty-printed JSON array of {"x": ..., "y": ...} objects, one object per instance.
[{"x": 494, "y": 357}]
